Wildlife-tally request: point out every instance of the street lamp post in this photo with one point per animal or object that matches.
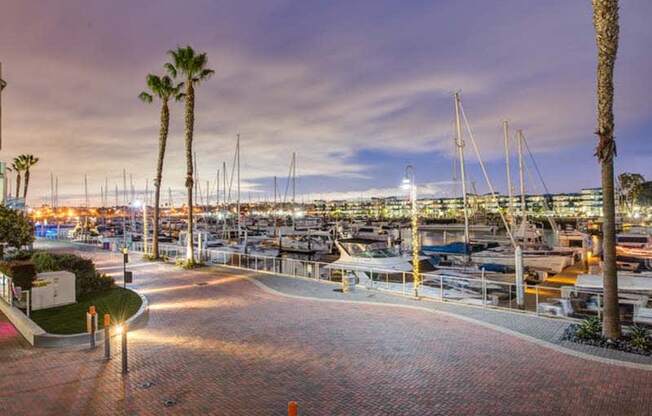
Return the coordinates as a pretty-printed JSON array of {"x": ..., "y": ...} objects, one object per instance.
[{"x": 410, "y": 184}]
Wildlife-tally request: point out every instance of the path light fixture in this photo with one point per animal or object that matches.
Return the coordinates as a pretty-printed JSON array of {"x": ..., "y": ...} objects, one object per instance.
[{"x": 409, "y": 184}]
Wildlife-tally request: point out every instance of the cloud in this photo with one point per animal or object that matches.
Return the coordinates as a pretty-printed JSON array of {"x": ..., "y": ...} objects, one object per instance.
[{"x": 327, "y": 81}]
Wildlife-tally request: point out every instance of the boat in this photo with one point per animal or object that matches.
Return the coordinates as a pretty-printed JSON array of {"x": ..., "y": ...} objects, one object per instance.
[
  {"x": 492, "y": 254},
  {"x": 634, "y": 240},
  {"x": 627, "y": 282},
  {"x": 574, "y": 239},
  {"x": 369, "y": 254}
]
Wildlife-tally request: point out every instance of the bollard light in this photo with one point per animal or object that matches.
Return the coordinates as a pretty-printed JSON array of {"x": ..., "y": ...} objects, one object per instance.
[
  {"x": 125, "y": 364},
  {"x": 107, "y": 336},
  {"x": 293, "y": 408}
]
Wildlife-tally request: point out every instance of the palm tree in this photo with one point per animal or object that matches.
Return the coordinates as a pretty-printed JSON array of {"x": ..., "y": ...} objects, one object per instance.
[
  {"x": 193, "y": 67},
  {"x": 605, "y": 20},
  {"x": 164, "y": 89},
  {"x": 28, "y": 162},
  {"x": 17, "y": 166}
]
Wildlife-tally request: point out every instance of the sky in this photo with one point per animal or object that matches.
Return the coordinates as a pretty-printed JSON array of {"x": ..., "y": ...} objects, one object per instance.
[{"x": 358, "y": 89}]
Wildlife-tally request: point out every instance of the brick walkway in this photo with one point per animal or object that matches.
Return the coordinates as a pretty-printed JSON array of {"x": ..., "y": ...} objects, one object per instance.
[{"x": 230, "y": 348}]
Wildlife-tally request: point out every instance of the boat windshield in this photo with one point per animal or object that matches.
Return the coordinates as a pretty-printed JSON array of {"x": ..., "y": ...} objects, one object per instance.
[
  {"x": 376, "y": 254},
  {"x": 378, "y": 250}
]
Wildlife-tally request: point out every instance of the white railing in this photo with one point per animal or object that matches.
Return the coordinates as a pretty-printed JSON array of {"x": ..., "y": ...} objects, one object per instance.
[
  {"x": 6, "y": 289},
  {"x": 565, "y": 302},
  {"x": 538, "y": 299}
]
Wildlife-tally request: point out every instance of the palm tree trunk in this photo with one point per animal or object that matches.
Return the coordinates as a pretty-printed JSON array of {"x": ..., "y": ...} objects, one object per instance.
[
  {"x": 190, "y": 124},
  {"x": 17, "y": 184},
  {"x": 605, "y": 20},
  {"x": 26, "y": 184},
  {"x": 162, "y": 142}
]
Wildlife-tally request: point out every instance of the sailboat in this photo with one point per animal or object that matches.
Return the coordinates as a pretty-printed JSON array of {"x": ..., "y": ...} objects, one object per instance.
[{"x": 489, "y": 254}]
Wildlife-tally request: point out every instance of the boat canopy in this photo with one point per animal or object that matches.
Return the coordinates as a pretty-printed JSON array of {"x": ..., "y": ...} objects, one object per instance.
[{"x": 625, "y": 283}]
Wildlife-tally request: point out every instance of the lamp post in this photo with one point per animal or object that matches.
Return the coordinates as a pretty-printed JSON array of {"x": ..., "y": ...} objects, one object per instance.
[{"x": 410, "y": 184}]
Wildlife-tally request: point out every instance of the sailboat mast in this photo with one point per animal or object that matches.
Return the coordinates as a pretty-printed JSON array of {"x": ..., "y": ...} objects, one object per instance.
[
  {"x": 217, "y": 190},
  {"x": 224, "y": 182},
  {"x": 85, "y": 190},
  {"x": 124, "y": 187},
  {"x": 522, "y": 181},
  {"x": 508, "y": 168},
  {"x": 237, "y": 149},
  {"x": 460, "y": 148}
]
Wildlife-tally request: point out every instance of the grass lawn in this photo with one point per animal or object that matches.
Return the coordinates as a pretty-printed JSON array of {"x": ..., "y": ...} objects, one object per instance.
[{"x": 71, "y": 319}]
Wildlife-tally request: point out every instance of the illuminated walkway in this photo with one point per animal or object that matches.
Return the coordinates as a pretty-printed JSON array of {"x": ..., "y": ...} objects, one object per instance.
[{"x": 227, "y": 346}]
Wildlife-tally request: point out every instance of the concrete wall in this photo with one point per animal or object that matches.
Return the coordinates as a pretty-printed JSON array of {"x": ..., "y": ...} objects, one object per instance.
[{"x": 28, "y": 329}]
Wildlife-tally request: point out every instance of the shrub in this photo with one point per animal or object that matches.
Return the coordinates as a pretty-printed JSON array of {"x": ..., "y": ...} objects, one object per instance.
[
  {"x": 22, "y": 272},
  {"x": 45, "y": 262},
  {"x": 639, "y": 338},
  {"x": 87, "y": 279},
  {"x": 590, "y": 329}
]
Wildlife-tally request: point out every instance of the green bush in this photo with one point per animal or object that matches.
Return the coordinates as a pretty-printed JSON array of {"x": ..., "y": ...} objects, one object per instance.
[
  {"x": 45, "y": 262},
  {"x": 639, "y": 338},
  {"x": 590, "y": 329},
  {"x": 22, "y": 272},
  {"x": 88, "y": 280}
]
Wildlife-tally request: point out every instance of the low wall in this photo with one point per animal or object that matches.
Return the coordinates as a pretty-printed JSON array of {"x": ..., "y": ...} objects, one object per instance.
[
  {"x": 27, "y": 328},
  {"x": 47, "y": 340}
]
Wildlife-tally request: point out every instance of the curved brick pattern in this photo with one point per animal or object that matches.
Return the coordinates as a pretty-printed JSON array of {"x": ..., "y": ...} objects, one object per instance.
[{"x": 230, "y": 348}]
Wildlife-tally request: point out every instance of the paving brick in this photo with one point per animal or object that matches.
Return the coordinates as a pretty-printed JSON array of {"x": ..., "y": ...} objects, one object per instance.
[{"x": 230, "y": 348}]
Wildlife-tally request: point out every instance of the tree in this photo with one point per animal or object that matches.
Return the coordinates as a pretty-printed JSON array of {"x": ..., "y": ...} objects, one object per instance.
[
  {"x": 605, "y": 21},
  {"x": 15, "y": 229},
  {"x": 164, "y": 89},
  {"x": 193, "y": 67},
  {"x": 630, "y": 185},
  {"x": 28, "y": 161},
  {"x": 18, "y": 166}
]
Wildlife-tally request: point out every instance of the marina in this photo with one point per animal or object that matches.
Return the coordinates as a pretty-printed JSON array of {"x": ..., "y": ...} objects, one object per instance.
[{"x": 325, "y": 208}]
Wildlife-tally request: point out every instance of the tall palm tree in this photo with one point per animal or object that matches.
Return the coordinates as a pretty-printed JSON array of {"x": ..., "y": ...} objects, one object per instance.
[
  {"x": 18, "y": 166},
  {"x": 164, "y": 89},
  {"x": 28, "y": 162},
  {"x": 193, "y": 67},
  {"x": 605, "y": 20}
]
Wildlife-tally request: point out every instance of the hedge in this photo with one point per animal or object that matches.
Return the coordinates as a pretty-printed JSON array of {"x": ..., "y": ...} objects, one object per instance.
[
  {"x": 22, "y": 272},
  {"x": 88, "y": 280}
]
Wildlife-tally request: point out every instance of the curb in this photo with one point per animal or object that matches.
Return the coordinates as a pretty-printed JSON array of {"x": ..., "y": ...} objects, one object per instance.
[{"x": 48, "y": 340}]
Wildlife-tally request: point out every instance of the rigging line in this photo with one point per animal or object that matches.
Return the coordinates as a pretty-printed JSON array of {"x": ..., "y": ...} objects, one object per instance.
[
  {"x": 536, "y": 166},
  {"x": 547, "y": 208},
  {"x": 486, "y": 176}
]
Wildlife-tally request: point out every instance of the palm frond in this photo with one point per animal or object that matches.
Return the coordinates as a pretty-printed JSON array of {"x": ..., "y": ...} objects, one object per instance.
[
  {"x": 172, "y": 70},
  {"x": 145, "y": 97},
  {"x": 205, "y": 74}
]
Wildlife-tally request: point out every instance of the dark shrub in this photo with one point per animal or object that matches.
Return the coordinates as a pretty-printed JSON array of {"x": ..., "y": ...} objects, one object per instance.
[
  {"x": 21, "y": 255},
  {"x": 22, "y": 272}
]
